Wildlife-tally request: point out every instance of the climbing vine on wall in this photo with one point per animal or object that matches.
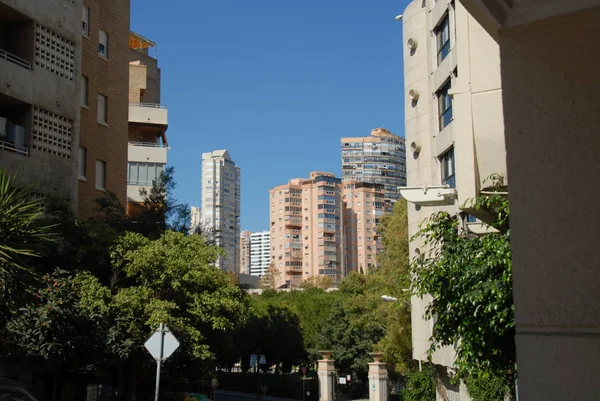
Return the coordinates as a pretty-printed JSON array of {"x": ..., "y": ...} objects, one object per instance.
[{"x": 470, "y": 280}]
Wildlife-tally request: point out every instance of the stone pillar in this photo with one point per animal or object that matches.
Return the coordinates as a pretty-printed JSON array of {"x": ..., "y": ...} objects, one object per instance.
[
  {"x": 326, "y": 373},
  {"x": 378, "y": 378}
]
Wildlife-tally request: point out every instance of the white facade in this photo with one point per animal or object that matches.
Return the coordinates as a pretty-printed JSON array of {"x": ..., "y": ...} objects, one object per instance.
[
  {"x": 454, "y": 130},
  {"x": 260, "y": 253},
  {"x": 195, "y": 218},
  {"x": 221, "y": 205}
]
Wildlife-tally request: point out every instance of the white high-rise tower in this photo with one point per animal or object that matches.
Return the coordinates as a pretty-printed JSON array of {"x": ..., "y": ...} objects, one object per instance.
[{"x": 221, "y": 204}]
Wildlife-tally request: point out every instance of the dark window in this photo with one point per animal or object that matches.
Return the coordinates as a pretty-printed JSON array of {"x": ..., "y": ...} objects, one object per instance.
[
  {"x": 442, "y": 34},
  {"x": 447, "y": 163},
  {"x": 445, "y": 105}
]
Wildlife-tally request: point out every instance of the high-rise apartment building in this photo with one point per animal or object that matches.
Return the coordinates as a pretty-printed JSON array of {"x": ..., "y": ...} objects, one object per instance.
[
  {"x": 364, "y": 205},
  {"x": 148, "y": 121},
  {"x": 307, "y": 229},
  {"x": 40, "y": 69},
  {"x": 245, "y": 252},
  {"x": 379, "y": 159},
  {"x": 195, "y": 219},
  {"x": 221, "y": 204},
  {"x": 456, "y": 137},
  {"x": 260, "y": 253},
  {"x": 102, "y": 151}
]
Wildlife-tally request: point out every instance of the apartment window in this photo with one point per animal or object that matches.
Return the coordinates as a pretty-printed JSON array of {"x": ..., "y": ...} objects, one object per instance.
[
  {"x": 442, "y": 34},
  {"x": 102, "y": 106},
  {"x": 143, "y": 173},
  {"x": 84, "y": 90},
  {"x": 82, "y": 163},
  {"x": 103, "y": 44},
  {"x": 85, "y": 20},
  {"x": 447, "y": 166},
  {"x": 100, "y": 175},
  {"x": 445, "y": 105}
]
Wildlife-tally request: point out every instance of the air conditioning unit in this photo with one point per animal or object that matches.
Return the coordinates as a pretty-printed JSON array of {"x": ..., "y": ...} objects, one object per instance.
[
  {"x": 413, "y": 95},
  {"x": 412, "y": 43}
]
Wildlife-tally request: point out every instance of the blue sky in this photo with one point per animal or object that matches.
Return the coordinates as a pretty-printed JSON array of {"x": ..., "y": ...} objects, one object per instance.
[{"x": 275, "y": 82}]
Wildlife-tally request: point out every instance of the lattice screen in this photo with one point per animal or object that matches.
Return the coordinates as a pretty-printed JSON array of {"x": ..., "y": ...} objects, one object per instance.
[
  {"x": 54, "y": 53},
  {"x": 51, "y": 133}
]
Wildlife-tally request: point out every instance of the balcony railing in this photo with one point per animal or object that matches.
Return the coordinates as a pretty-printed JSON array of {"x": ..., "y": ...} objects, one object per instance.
[
  {"x": 147, "y": 144},
  {"x": 13, "y": 148},
  {"x": 15, "y": 59},
  {"x": 150, "y": 105}
]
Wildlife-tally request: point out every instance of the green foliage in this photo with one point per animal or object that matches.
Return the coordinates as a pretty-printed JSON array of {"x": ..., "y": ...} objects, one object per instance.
[
  {"x": 419, "y": 386},
  {"x": 487, "y": 387},
  {"x": 169, "y": 280},
  {"x": 50, "y": 326},
  {"x": 21, "y": 235},
  {"x": 470, "y": 280},
  {"x": 162, "y": 209},
  {"x": 351, "y": 332}
]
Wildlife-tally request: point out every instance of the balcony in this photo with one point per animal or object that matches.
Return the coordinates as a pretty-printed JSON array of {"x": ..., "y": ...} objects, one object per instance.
[
  {"x": 147, "y": 152},
  {"x": 148, "y": 114}
]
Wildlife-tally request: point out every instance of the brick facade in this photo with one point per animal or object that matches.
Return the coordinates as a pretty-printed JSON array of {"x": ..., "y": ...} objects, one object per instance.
[{"x": 109, "y": 77}]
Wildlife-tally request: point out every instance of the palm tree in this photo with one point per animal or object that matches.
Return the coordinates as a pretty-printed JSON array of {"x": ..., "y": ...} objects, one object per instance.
[{"x": 21, "y": 232}]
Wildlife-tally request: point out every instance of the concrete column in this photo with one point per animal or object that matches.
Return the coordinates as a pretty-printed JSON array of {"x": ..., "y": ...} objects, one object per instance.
[
  {"x": 378, "y": 378},
  {"x": 325, "y": 373}
]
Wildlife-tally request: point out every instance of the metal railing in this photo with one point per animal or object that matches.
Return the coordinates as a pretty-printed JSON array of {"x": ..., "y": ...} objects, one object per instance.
[
  {"x": 15, "y": 59},
  {"x": 13, "y": 148},
  {"x": 149, "y": 105},
  {"x": 147, "y": 144}
]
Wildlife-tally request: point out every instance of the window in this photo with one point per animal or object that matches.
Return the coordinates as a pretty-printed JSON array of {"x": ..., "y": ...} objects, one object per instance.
[
  {"x": 100, "y": 175},
  {"x": 103, "y": 44},
  {"x": 143, "y": 173},
  {"x": 445, "y": 105},
  {"x": 82, "y": 162},
  {"x": 447, "y": 164},
  {"x": 85, "y": 20},
  {"x": 102, "y": 106},
  {"x": 84, "y": 90},
  {"x": 442, "y": 34}
]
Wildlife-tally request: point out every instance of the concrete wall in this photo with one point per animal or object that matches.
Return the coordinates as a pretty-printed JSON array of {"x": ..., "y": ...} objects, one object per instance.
[
  {"x": 551, "y": 93},
  {"x": 109, "y": 77},
  {"x": 49, "y": 173}
]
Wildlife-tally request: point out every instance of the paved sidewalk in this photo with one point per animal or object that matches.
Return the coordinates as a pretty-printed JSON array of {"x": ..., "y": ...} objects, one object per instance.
[{"x": 251, "y": 396}]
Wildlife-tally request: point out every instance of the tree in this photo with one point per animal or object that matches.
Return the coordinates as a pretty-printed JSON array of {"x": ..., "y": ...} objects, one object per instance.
[
  {"x": 170, "y": 280},
  {"x": 21, "y": 236},
  {"x": 22, "y": 241},
  {"x": 420, "y": 385},
  {"x": 322, "y": 282},
  {"x": 351, "y": 333},
  {"x": 469, "y": 278},
  {"x": 50, "y": 327},
  {"x": 161, "y": 208}
]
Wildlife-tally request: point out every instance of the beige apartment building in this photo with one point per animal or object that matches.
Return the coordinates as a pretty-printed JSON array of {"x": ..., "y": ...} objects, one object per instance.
[
  {"x": 551, "y": 93},
  {"x": 40, "y": 59},
  {"x": 148, "y": 122},
  {"x": 245, "y": 252},
  {"x": 307, "y": 229},
  {"x": 364, "y": 204},
  {"x": 454, "y": 133},
  {"x": 102, "y": 152}
]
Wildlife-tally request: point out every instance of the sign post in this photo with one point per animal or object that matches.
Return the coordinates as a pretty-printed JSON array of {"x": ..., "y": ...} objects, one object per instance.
[{"x": 161, "y": 345}]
